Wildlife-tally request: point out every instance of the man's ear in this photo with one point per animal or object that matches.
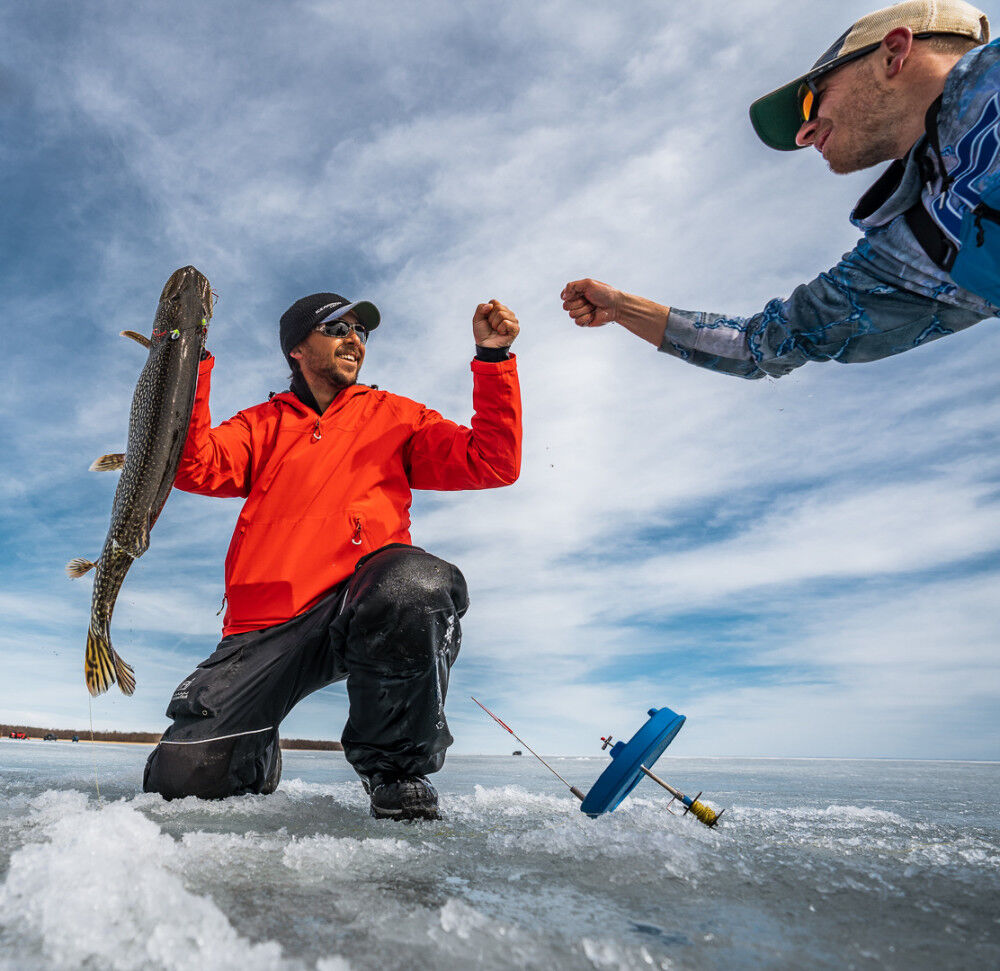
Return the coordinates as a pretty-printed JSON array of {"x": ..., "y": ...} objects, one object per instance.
[
  {"x": 895, "y": 49},
  {"x": 296, "y": 353}
]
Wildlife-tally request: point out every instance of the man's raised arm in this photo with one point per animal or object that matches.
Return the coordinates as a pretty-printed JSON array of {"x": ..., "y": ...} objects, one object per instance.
[
  {"x": 444, "y": 455},
  {"x": 216, "y": 461}
]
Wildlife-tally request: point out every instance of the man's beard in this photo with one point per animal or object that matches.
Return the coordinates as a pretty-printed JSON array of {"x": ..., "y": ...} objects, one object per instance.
[
  {"x": 336, "y": 379},
  {"x": 868, "y": 126}
]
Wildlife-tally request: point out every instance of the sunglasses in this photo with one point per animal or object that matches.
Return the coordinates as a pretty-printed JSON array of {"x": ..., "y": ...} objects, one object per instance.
[
  {"x": 341, "y": 328},
  {"x": 808, "y": 100},
  {"x": 808, "y": 93}
]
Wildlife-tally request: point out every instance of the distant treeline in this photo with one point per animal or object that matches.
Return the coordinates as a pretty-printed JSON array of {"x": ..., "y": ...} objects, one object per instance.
[
  {"x": 317, "y": 746},
  {"x": 33, "y": 731},
  {"x": 151, "y": 738}
]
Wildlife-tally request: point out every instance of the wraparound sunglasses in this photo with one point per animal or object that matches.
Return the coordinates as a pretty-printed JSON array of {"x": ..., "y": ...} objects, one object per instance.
[{"x": 341, "y": 328}]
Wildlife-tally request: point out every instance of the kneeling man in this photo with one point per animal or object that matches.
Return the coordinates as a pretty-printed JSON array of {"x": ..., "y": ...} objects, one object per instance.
[{"x": 322, "y": 582}]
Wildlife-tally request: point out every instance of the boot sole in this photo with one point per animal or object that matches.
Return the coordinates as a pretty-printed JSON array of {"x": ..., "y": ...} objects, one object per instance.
[{"x": 404, "y": 815}]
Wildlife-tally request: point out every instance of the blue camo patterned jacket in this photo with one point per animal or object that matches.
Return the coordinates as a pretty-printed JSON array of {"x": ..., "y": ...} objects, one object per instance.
[{"x": 885, "y": 296}]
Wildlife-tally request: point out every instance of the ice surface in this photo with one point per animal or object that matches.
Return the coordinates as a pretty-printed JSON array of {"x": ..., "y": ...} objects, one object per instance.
[
  {"x": 105, "y": 886},
  {"x": 816, "y": 864}
]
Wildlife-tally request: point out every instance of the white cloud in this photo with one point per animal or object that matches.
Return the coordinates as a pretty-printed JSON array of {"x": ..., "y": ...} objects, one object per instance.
[{"x": 436, "y": 160}]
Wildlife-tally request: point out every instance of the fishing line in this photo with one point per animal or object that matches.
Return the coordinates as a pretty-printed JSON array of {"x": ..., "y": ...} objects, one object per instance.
[
  {"x": 576, "y": 792},
  {"x": 93, "y": 751}
]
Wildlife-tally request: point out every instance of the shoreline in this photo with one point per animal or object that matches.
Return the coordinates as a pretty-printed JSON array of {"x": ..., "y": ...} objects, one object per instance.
[
  {"x": 35, "y": 734},
  {"x": 83, "y": 740}
]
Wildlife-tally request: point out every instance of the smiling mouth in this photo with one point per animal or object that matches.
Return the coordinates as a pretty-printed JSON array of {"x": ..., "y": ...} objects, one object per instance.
[{"x": 351, "y": 358}]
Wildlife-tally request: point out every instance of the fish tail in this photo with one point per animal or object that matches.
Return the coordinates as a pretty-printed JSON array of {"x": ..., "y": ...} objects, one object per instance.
[
  {"x": 99, "y": 663},
  {"x": 78, "y": 566},
  {"x": 126, "y": 676}
]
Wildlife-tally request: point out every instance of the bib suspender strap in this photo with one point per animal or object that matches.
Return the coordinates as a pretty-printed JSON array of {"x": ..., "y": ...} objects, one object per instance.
[
  {"x": 939, "y": 248},
  {"x": 933, "y": 241}
]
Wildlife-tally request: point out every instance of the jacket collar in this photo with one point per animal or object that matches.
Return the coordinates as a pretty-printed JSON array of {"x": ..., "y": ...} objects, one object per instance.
[
  {"x": 900, "y": 185},
  {"x": 302, "y": 391},
  {"x": 301, "y": 399}
]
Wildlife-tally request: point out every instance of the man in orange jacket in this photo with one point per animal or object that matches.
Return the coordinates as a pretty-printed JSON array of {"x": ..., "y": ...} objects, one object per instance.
[{"x": 322, "y": 582}]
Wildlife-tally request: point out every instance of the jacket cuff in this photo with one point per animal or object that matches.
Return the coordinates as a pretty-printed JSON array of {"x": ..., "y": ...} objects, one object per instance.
[
  {"x": 492, "y": 354},
  {"x": 479, "y": 366}
]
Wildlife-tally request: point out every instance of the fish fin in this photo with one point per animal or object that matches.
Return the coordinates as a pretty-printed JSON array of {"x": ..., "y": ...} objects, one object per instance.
[
  {"x": 126, "y": 676},
  {"x": 98, "y": 663},
  {"x": 138, "y": 338},
  {"x": 78, "y": 566},
  {"x": 112, "y": 462}
]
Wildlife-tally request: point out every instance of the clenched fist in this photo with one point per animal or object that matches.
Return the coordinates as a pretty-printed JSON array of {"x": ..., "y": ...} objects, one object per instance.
[
  {"x": 493, "y": 325},
  {"x": 591, "y": 303}
]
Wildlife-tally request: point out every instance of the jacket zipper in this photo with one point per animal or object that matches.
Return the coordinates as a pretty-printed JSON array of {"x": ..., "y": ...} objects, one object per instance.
[
  {"x": 317, "y": 434},
  {"x": 239, "y": 536},
  {"x": 981, "y": 211},
  {"x": 356, "y": 538}
]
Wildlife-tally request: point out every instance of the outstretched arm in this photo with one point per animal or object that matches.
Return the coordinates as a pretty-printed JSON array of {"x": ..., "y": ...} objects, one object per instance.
[
  {"x": 592, "y": 304},
  {"x": 848, "y": 314}
]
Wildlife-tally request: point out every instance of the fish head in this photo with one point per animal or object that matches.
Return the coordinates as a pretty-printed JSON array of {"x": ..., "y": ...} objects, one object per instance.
[{"x": 185, "y": 306}]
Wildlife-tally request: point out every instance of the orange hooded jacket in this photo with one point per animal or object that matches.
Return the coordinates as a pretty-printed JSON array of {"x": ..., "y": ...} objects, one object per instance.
[{"x": 322, "y": 491}]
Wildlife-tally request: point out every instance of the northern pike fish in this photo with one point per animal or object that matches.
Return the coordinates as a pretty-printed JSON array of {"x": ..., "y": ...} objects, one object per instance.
[{"x": 157, "y": 429}]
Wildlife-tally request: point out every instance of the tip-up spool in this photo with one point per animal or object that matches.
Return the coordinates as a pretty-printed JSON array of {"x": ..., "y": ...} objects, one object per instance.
[{"x": 624, "y": 772}]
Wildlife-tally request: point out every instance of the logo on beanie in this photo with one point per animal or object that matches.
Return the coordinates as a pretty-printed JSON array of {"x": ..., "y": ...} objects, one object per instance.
[{"x": 329, "y": 306}]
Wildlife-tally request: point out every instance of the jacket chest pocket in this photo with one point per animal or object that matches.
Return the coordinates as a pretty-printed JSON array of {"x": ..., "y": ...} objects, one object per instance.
[
  {"x": 292, "y": 448},
  {"x": 303, "y": 473}
]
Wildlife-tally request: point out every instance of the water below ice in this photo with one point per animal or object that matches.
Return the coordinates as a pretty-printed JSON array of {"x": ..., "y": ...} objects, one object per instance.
[{"x": 817, "y": 863}]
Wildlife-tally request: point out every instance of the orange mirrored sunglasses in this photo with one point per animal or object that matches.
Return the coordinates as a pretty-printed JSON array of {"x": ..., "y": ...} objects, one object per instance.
[{"x": 808, "y": 100}]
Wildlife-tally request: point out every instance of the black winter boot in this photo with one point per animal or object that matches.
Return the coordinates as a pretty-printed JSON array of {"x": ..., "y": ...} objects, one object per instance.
[{"x": 408, "y": 797}]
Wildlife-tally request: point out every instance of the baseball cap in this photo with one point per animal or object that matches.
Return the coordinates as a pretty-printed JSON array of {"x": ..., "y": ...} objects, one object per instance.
[
  {"x": 775, "y": 117},
  {"x": 308, "y": 312}
]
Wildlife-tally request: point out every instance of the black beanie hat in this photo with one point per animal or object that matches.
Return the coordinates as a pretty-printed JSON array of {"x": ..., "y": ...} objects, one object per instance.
[{"x": 302, "y": 316}]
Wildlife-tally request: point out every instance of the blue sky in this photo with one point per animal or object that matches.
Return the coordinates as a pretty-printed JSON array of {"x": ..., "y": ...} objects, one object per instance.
[{"x": 807, "y": 567}]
